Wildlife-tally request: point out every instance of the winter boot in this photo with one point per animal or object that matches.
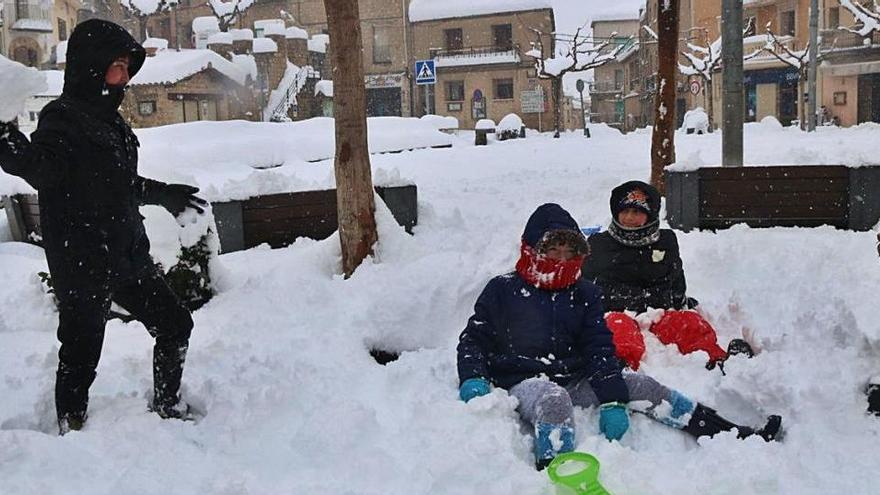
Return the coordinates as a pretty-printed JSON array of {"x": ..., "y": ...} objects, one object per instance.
[
  {"x": 874, "y": 398},
  {"x": 705, "y": 422},
  {"x": 740, "y": 346},
  {"x": 167, "y": 371},
  {"x": 71, "y": 422},
  {"x": 550, "y": 441}
]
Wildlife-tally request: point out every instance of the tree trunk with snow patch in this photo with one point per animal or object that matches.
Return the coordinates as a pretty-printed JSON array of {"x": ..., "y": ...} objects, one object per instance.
[
  {"x": 663, "y": 140},
  {"x": 354, "y": 185}
]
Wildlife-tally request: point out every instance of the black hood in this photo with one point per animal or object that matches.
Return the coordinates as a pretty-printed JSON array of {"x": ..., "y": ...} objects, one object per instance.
[{"x": 93, "y": 46}]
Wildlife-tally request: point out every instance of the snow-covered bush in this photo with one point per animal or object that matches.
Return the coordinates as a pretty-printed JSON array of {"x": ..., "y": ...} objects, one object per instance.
[
  {"x": 510, "y": 127},
  {"x": 696, "y": 121},
  {"x": 440, "y": 122}
]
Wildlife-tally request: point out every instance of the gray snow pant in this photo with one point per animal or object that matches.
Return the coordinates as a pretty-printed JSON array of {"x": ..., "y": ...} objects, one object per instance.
[{"x": 542, "y": 401}]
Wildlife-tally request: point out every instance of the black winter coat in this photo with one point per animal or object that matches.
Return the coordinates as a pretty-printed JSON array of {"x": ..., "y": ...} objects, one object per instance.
[
  {"x": 635, "y": 278},
  {"x": 82, "y": 160},
  {"x": 519, "y": 331}
]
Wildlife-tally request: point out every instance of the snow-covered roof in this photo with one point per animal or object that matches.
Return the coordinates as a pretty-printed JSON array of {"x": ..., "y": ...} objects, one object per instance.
[
  {"x": 294, "y": 32},
  {"x": 324, "y": 87},
  {"x": 270, "y": 26},
  {"x": 264, "y": 45},
  {"x": 241, "y": 34},
  {"x": 169, "y": 67},
  {"x": 28, "y": 24},
  {"x": 616, "y": 17},
  {"x": 54, "y": 83},
  {"x": 429, "y": 10},
  {"x": 157, "y": 43},
  {"x": 145, "y": 7},
  {"x": 319, "y": 43},
  {"x": 220, "y": 39},
  {"x": 61, "y": 52},
  {"x": 205, "y": 24}
]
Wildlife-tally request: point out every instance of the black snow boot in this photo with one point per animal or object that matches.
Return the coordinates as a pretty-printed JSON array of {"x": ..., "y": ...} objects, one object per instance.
[
  {"x": 705, "y": 422},
  {"x": 71, "y": 422},
  {"x": 167, "y": 371},
  {"x": 874, "y": 398}
]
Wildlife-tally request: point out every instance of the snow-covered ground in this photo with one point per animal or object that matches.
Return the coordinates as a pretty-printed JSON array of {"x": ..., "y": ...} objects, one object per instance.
[{"x": 296, "y": 405}]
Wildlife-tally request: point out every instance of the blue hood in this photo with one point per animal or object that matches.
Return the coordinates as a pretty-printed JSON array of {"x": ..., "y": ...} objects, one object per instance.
[{"x": 549, "y": 216}]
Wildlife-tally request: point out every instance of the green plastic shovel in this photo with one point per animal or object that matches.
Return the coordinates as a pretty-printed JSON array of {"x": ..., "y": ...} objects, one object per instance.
[{"x": 576, "y": 473}]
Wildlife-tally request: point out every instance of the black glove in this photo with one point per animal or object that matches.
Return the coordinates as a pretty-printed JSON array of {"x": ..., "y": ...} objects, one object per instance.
[
  {"x": 6, "y": 130},
  {"x": 178, "y": 197}
]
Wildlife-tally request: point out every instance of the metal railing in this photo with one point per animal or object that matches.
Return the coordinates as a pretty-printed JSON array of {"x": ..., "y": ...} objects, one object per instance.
[
  {"x": 606, "y": 87},
  {"x": 290, "y": 93},
  {"x": 840, "y": 38},
  {"x": 474, "y": 51}
]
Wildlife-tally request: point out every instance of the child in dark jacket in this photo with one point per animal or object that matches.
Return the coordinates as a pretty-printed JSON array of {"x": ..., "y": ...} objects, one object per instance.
[
  {"x": 637, "y": 265},
  {"x": 539, "y": 332}
]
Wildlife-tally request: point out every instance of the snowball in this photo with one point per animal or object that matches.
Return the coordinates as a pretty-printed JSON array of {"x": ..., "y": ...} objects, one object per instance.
[{"x": 510, "y": 122}]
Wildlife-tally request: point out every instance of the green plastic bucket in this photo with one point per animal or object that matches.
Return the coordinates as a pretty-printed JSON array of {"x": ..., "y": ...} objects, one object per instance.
[{"x": 576, "y": 473}]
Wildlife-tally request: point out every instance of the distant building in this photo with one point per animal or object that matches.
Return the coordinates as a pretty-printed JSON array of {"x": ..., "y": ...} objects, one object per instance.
[
  {"x": 30, "y": 29},
  {"x": 610, "y": 84},
  {"x": 482, "y": 70}
]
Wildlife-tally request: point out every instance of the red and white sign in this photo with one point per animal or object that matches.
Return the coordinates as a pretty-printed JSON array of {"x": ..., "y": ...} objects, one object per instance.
[{"x": 696, "y": 87}]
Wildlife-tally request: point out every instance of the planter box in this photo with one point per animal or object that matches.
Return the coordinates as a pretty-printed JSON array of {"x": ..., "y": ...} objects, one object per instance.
[
  {"x": 769, "y": 196},
  {"x": 277, "y": 219}
]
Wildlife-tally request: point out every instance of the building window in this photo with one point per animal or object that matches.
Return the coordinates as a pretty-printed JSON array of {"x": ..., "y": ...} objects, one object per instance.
[
  {"x": 381, "y": 45},
  {"x": 502, "y": 37},
  {"x": 62, "y": 29},
  {"x": 21, "y": 9},
  {"x": 454, "y": 39},
  {"x": 787, "y": 23},
  {"x": 503, "y": 89},
  {"x": 146, "y": 107},
  {"x": 32, "y": 116},
  {"x": 618, "y": 79},
  {"x": 453, "y": 107},
  {"x": 454, "y": 90},
  {"x": 833, "y": 18}
]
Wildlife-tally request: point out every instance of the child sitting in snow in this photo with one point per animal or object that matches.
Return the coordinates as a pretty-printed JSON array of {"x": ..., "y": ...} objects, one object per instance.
[
  {"x": 539, "y": 332},
  {"x": 638, "y": 267}
]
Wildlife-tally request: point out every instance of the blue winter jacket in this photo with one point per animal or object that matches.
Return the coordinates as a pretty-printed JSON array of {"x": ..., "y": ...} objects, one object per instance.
[{"x": 519, "y": 331}]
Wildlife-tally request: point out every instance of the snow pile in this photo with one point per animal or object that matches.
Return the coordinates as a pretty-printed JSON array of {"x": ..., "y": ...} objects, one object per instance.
[
  {"x": 318, "y": 43},
  {"x": 220, "y": 39},
  {"x": 264, "y": 45},
  {"x": 205, "y": 25},
  {"x": 168, "y": 67},
  {"x": 485, "y": 124},
  {"x": 247, "y": 63},
  {"x": 296, "y": 405},
  {"x": 241, "y": 34},
  {"x": 696, "y": 119},
  {"x": 147, "y": 7},
  {"x": 440, "y": 122},
  {"x": 19, "y": 83},
  {"x": 324, "y": 87},
  {"x": 157, "y": 43},
  {"x": 294, "y": 32},
  {"x": 427, "y": 10}
]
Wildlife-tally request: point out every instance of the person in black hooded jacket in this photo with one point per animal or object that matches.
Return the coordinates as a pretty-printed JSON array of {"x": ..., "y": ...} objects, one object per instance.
[
  {"x": 638, "y": 266},
  {"x": 82, "y": 160}
]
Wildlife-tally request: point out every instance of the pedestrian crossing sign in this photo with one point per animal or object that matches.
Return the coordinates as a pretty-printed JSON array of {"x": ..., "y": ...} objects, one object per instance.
[{"x": 425, "y": 72}]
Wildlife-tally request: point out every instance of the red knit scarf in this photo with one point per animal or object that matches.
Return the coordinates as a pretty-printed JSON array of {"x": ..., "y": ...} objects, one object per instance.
[{"x": 546, "y": 273}]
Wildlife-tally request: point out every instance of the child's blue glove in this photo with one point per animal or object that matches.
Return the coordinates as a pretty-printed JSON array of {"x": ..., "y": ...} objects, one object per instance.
[
  {"x": 473, "y": 387},
  {"x": 613, "y": 420}
]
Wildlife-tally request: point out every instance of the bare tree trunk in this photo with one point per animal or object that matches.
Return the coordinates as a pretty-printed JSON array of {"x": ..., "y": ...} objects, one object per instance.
[
  {"x": 557, "y": 103},
  {"x": 354, "y": 186},
  {"x": 663, "y": 142}
]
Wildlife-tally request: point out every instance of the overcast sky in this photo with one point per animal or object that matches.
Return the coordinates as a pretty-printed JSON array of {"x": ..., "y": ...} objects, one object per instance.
[{"x": 571, "y": 14}]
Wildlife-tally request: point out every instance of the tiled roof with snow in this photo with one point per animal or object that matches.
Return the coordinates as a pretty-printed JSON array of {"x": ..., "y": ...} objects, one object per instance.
[
  {"x": 319, "y": 43},
  {"x": 324, "y": 87},
  {"x": 247, "y": 63},
  {"x": 264, "y": 45},
  {"x": 428, "y": 10},
  {"x": 169, "y": 67},
  {"x": 294, "y": 32}
]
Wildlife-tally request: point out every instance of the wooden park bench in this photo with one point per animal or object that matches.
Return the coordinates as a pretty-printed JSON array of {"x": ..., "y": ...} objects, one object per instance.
[{"x": 774, "y": 196}]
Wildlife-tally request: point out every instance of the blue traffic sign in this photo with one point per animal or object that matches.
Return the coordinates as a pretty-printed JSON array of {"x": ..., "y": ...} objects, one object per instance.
[{"x": 426, "y": 72}]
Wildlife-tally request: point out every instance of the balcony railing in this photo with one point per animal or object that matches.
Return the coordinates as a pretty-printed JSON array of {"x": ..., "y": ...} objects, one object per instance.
[
  {"x": 840, "y": 38},
  {"x": 476, "y": 55}
]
